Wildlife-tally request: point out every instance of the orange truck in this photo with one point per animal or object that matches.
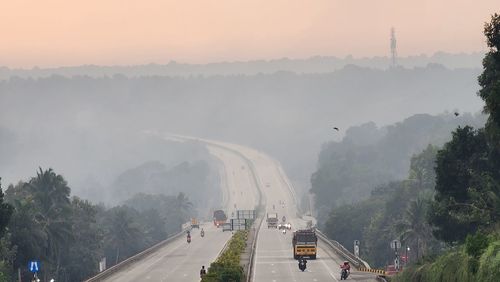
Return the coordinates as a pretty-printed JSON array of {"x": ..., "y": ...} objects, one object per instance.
[{"x": 305, "y": 244}]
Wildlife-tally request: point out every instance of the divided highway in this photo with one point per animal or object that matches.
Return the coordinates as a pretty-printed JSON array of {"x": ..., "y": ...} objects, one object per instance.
[
  {"x": 273, "y": 260},
  {"x": 180, "y": 261}
]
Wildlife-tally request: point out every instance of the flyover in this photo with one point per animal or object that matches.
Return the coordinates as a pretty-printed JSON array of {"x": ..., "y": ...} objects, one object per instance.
[{"x": 243, "y": 172}]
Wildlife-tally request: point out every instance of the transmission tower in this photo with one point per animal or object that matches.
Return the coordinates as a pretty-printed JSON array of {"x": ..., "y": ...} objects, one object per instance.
[{"x": 394, "y": 53}]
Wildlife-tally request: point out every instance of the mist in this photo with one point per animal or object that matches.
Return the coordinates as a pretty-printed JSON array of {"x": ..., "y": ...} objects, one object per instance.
[{"x": 91, "y": 129}]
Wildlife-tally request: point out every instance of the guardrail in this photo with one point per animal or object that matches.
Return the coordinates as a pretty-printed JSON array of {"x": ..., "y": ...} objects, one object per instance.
[
  {"x": 343, "y": 252},
  {"x": 252, "y": 251},
  {"x": 117, "y": 267}
]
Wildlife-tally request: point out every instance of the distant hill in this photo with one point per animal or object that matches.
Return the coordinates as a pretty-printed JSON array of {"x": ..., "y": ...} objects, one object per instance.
[
  {"x": 82, "y": 120},
  {"x": 319, "y": 64},
  {"x": 369, "y": 156}
]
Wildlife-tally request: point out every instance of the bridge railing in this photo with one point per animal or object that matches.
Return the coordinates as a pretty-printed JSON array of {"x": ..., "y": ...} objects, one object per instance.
[{"x": 342, "y": 251}]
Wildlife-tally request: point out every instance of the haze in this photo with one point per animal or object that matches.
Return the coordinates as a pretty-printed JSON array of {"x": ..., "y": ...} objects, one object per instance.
[{"x": 114, "y": 32}]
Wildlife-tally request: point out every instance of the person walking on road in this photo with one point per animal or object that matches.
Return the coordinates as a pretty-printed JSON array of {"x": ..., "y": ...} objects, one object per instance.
[{"x": 203, "y": 272}]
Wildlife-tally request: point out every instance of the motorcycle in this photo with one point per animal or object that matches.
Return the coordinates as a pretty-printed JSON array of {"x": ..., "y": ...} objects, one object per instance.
[
  {"x": 302, "y": 264},
  {"x": 202, "y": 233},
  {"x": 189, "y": 239},
  {"x": 343, "y": 274}
]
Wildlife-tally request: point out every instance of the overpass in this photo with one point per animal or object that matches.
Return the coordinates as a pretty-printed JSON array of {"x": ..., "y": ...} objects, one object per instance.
[{"x": 246, "y": 175}]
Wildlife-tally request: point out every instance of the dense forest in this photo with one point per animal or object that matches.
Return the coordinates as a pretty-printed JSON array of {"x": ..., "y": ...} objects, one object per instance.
[
  {"x": 279, "y": 112},
  {"x": 369, "y": 156},
  {"x": 40, "y": 219},
  {"x": 447, "y": 211}
]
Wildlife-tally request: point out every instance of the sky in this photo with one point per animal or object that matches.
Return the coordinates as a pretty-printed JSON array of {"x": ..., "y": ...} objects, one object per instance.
[{"x": 50, "y": 33}]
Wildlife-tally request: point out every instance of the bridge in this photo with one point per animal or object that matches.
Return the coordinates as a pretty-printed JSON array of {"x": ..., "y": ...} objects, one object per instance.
[{"x": 249, "y": 178}]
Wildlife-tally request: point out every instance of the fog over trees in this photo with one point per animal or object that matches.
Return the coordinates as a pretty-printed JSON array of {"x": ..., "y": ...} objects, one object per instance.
[{"x": 93, "y": 127}]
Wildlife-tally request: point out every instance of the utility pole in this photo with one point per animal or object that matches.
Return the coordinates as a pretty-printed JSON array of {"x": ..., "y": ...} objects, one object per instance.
[{"x": 394, "y": 53}]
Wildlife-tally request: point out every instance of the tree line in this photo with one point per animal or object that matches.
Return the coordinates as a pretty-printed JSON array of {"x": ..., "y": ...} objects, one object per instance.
[
  {"x": 448, "y": 208},
  {"x": 40, "y": 220}
]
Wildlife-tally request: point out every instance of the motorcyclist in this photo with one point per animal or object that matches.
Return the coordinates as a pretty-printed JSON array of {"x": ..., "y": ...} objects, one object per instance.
[
  {"x": 345, "y": 270},
  {"x": 302, "y": 264}
]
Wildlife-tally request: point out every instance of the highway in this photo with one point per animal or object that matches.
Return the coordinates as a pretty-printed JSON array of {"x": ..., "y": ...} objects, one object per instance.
[
  {"x": 273, "y": 260},
  {"x": 180, "y": 261}
]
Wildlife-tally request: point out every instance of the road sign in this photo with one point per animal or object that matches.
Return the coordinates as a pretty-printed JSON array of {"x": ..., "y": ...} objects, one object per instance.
[
  {"x": 34, "y": 266},
  {"x": 395, "y": 245},
  {"x": 356, "y": 248},
  {"x": 245, "y": 214},
  {"x": 238, "y": 224}
]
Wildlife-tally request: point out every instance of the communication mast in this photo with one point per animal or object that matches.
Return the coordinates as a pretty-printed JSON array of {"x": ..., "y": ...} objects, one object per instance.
[{"x": 394, "y": 53}]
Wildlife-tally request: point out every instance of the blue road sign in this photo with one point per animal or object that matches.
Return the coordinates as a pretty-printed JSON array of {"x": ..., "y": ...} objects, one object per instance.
[{"x": 34, "y": 266}]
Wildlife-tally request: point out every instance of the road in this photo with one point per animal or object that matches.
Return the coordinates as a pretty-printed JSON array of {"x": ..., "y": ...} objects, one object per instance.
[
  {"x": 273, "y": 261},
  {"x": 180, "y": 261},
  {"x": 273, "y": 258}
]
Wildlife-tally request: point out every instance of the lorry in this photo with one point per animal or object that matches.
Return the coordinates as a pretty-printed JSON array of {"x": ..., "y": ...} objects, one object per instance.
[
  {"x": 195, "y": 223},
  {"x": 272, "y": 220},
  {"x": 305, "y": 244},
  {"x": 219, "y": 217}
]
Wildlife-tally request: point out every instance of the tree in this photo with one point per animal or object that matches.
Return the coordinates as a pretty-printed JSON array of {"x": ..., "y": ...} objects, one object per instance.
[
  {"x": 5, "y": 212},
  {"x": 489, "y": 81},
  {"x": 7, "y": 252},
  {"x": 414, "y": 228},
  {"x": 51, "y": 196},
  {"x": 461, "y": 166},
  {"x": 468, "y": 167},
  {"x": 122, "y": 236},
  {"x": 86, "y": 250}
]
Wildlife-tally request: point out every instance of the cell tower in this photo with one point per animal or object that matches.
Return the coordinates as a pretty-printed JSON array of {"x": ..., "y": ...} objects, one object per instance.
[{"x": 394, "y": 53}]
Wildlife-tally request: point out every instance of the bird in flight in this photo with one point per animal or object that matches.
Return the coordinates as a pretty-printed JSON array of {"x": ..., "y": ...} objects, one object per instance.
[
  {"x": 456, "y": 114},
  {"x": 336, "y": 128}
]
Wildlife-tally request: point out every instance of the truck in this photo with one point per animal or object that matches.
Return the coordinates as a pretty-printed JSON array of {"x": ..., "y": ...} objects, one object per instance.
[
  {"x": 305, "y": 244},
  {"x": 195, "y": 223},
  {"x": 272, "y": 220},
  {"x": 219, "y": 218}
]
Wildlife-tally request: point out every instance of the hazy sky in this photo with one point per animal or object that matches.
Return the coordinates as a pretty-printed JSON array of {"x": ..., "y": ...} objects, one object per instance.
[{"x": 72, "y": 32}]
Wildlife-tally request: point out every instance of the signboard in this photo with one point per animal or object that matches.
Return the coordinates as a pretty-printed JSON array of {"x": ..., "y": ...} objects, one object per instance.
[
  {"x": 395, "y": 245},
  {"x": 34, "y": 266},
  {"x": 102, "y": 264},
  {"x": 245, "y": 214},
  {"x": 238, "y": 224},
  {"x": 356, "y": 248}
]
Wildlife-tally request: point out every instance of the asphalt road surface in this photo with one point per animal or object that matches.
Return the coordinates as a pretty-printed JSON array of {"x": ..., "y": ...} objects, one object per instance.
[
  {"x": 274, "y": 258},
  {"x": 273, "y": 261},
  {"x": 180, "y": 261}
]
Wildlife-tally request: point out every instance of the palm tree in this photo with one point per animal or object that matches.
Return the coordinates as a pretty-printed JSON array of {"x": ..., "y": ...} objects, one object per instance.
[
  {"x": 122, "y": 231},
  {"x": 51, "y": 196},
  {"x": 414, "y": 227}
]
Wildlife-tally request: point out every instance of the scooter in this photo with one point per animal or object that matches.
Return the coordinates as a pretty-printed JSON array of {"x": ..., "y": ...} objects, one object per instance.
[
  {"x": 302, "y": 264},
  {"x": 343, "y": 274}
]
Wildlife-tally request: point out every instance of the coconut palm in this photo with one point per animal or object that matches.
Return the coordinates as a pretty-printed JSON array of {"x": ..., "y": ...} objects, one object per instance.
[{"x": 414, "y": 228}]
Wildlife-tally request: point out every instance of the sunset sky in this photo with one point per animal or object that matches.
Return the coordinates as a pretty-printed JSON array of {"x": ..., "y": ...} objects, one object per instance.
[{"x": 48, "y": 33}]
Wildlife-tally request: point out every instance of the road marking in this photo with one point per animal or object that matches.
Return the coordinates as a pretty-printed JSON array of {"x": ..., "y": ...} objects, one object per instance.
[{"x": 328, "y": 269}]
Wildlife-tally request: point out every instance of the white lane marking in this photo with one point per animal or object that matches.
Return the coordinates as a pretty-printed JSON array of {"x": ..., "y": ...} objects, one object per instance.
[{"x": 328, "y": 270}]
